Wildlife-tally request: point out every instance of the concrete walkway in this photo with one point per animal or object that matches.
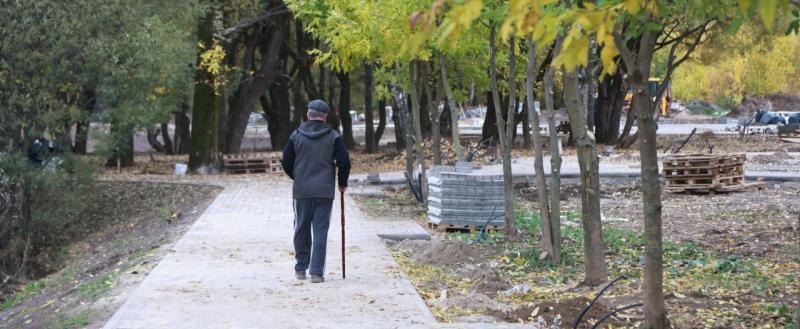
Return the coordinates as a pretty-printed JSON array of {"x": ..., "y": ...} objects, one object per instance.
[
  {"x": 234, "y": 269},
  {"x": 522, "y": 169}
]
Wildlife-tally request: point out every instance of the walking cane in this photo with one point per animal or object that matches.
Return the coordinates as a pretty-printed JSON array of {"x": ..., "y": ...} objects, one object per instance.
[{"x": 341, "y": 197}]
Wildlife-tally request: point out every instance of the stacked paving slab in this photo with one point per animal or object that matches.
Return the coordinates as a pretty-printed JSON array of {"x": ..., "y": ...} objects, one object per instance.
[{"x": 459, "y": 198}]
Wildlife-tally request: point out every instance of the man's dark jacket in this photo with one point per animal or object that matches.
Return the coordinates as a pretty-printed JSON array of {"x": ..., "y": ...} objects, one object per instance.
[{"x": 310, "y": 158}]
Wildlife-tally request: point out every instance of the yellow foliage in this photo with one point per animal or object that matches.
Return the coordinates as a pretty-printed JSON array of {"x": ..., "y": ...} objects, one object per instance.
[
  {"x": 523, "y": 16},
  {"x": 760, "y": 71},
  {"x": 211, "y": 60},
  {"x": 585, "y": 23},
  {"x": 459, "y": 19}
]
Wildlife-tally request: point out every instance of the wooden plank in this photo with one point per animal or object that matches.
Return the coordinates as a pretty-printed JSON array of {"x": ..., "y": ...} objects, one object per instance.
[
  {"x": 703, "y": 171},
  {"x": 698, "y": 163},
  {"x": 247, "y": 171}
]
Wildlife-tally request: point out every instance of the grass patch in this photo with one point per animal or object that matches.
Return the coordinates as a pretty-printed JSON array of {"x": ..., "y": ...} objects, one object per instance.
[
  {"x": 167, "y": 214},
  {"x": 373, "y": 205},
  {"x": 28, "y": 290},
  {"x": 689, "y": 269},
  {"x": 79, "y": 320},
  {"x": 94, "y": 287}
]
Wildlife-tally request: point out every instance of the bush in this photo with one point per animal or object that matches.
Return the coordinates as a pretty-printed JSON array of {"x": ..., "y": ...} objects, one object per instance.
[{"x": 37, "y": 203}]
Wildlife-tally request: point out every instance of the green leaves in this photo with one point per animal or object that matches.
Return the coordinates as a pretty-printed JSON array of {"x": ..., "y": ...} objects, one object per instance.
[
  {"x": 459, "y": 20},
  {"x": 767, "y": 9}
]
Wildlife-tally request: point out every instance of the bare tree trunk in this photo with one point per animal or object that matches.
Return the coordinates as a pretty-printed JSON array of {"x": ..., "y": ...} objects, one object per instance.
[
  {"x": 526, "y": 124},
  {"x": 453, "y": 112},
  {"x": 593, "y": 248},
  {"x": 541, "y": 183},
  {"x": 205, "y": 114},
  {"x": 408, "y": 140},
  {"x": 88, "y": 101},
  {"x": 504, "y": 130},
  {"x": 433, "y": 110},
  {"x": 611, "y": 100},
  {"x": 182, "y": 133},
  {"x": 589, "y": 85},
  {"x": 489, "y": 128},
  {"x": 152, "y": 139},
  {"x": 299, "y": 101},
  {"x": 344, "y": 109},
  {"x": 381, "y": 122},
  {"x": 625, "y": 139},
  {"x": 333, "y": 115},
  {"x": 399, "y": 122},
  {"x": 555, "y": 162},
  {"x": 372, "y": 144},
  {"x": 168, "y": 147},
  {"x": 419, "y": 143},
  {"x": 278, "y": 112},
  {"x": 655, "y": 311}
]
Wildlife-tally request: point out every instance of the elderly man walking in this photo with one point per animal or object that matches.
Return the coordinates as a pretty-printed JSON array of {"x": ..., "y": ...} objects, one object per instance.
[{"x": 310, "y": 158}]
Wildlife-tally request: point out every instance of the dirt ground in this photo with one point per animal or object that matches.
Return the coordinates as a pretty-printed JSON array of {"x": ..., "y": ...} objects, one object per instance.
[
  {"x": 131, "y": 227},
  {"x": 731, "y": 260},
  {"x": 754, "y": 223}
]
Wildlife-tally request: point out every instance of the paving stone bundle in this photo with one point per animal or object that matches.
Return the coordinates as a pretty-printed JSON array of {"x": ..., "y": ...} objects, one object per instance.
[{"x": 460, "y": 199}]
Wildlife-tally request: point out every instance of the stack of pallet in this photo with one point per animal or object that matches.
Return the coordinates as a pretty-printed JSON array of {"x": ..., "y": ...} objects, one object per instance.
[
  {"x": 706, "y": 173},
  {"x": 464, "y": 201},
  {"x": 252, "y": 163}
]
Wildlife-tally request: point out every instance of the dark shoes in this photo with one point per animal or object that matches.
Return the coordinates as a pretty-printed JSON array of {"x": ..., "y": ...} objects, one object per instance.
[
  {"x": 301, "y": 275},
  {"x": 317, "y": 278}
]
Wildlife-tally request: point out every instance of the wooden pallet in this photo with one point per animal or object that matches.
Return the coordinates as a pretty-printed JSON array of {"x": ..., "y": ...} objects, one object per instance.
[
  {"x": 246, "y": 162},
  {"x": 248, "y": 171},
  {"x": 470, "y": 228},
  {"x": 704, "y": 182},
  {"x": 700, "y": 161},
  {"x": 252, "y": 163},
  {"x": 733, "y": 170},
  {"x": 258, "y": 155},
  {"x": 699, "y": 173}
]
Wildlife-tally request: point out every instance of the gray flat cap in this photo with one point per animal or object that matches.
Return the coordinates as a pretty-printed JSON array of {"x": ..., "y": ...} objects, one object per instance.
[{"x": 319, "y": 106}]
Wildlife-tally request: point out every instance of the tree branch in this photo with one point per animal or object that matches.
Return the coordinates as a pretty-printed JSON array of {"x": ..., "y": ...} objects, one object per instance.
[
  {"x": 624, "y": 52},
  {"x": 258, "y": 19},
  {"x": 672, "y": 63}
]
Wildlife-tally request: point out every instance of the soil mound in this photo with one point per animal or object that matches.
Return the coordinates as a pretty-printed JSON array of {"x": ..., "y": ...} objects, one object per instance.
[
  {"x": 488, "y": 280},
  {"x": 773, "y": 102},
  {"x": 473, "y": 302},
  {"x": 778, "y": 157},
  {"x": 568, "y": 310},
  {"x": 440, "y": 253}
]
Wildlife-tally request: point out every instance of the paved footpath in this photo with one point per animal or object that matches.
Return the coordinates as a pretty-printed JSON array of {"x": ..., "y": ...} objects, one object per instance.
[{"x": 234, "y": 269}]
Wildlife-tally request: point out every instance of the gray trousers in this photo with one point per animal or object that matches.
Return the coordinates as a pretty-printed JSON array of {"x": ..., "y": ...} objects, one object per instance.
[{"x": 312, "y": 217}]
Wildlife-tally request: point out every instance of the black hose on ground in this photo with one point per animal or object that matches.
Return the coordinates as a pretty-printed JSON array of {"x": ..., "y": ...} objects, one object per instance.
[
  {"x": 604, "y": 318},
  {"x": 588, "y": 307}
]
